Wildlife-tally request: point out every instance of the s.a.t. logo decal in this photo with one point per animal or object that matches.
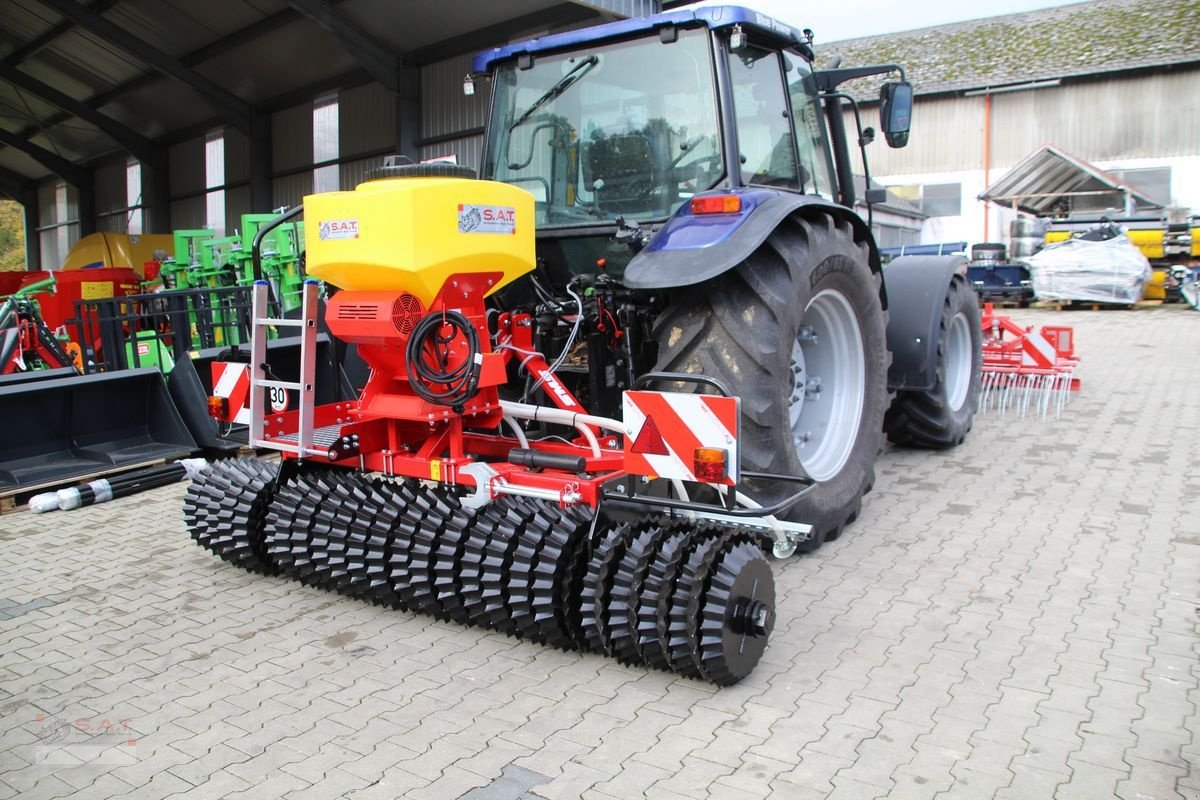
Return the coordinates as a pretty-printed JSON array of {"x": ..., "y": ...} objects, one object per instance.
[{"x": 338, "y": 229}]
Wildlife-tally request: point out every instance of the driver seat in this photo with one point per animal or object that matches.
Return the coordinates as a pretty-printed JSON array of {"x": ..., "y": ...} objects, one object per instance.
[{"x": 623, "y": 171}]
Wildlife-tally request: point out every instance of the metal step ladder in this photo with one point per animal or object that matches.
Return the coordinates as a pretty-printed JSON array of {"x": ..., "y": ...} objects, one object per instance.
[{"x": 260, "y": 384}]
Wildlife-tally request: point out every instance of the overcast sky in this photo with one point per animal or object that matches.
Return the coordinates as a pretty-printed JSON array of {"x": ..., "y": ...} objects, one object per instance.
[{"x": 833, "y": 21}]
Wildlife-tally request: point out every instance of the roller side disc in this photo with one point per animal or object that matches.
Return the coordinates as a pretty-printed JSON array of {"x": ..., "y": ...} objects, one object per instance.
[
  {"x": 283, "y": 526},
  {"x": 555, "y": 571},
  {"x": 358, "y": 533},
  {"x": 597, "y": 583},
  {"x": 738, "y": 614},
  {"x": 215, "y": 505},
  {"x": 345, "y": 510},
  {"x": 386, "y": 501},
  {"x": 195, "y": 515},
  {"x": 683, "y": 634},
  {"x": 496, "y": 576},
  {"x": 654, "y": 601},
  {"x": 323, "y": 536},
  {"x": 434, "y": 507},
  {"x": 447, "y": 563},
  {"x": 626, "y": 588},
  {"x": 522, "y": 573},
  {"x": 471, "y": 562},
  {"x": 395, "y": 521}
]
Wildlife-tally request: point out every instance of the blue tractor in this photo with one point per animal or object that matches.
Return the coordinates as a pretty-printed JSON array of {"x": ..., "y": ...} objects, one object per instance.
[{"x": 695, "y": 214}]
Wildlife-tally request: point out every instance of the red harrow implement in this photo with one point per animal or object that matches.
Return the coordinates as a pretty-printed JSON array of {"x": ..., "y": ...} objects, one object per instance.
[{"x": 1026, "y": 369}]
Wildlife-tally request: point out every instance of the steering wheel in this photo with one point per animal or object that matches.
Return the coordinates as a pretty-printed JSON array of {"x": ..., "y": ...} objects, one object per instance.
[
  {"x": 686, "y": 147},
  {"x": 695, "y": 169}
]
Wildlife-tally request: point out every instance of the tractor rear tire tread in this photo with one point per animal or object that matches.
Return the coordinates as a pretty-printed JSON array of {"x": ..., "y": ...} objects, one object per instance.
[{"x": 740, "y": 328}]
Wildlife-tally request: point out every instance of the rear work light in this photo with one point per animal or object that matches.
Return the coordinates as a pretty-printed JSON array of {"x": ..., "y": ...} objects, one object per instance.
[
  {"x": 709, "y": 464},
  {"x": 717, "y": 204}
]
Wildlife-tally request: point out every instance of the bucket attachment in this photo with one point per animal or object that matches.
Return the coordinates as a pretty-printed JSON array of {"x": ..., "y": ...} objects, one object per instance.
[
  {"x": 1026, "y": 369},
  {"x": 62, "y": 428}
]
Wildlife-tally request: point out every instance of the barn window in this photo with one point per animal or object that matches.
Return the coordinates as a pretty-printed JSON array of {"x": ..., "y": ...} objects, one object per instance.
[
  {"x": 325, "y": 144},
  {"x": 214, "y": 180}
]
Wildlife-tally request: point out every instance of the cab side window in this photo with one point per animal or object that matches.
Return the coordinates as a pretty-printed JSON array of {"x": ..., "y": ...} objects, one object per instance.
[
  {"x": 765, "y": 146},
  {"x": 810, "y": 126}
]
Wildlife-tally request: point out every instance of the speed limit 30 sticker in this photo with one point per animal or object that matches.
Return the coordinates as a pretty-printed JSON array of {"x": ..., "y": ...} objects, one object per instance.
[{"x": 278, "y": 398}]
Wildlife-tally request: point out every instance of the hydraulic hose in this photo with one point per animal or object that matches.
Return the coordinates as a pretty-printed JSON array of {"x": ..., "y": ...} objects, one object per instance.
[{"x": 462, "y": 380}]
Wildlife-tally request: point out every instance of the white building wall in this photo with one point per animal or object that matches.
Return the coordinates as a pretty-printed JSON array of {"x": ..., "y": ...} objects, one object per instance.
[
  {"x": 970, "y": 226},
  {"x": 1134, "y": 122}
]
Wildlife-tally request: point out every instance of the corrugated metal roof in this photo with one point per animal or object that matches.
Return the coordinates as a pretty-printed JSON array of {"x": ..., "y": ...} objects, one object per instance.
[
  {"x": 257, "y": 50},
  {"x": 1072, "y": 40},
  {"x": 1048, "y": 176}
]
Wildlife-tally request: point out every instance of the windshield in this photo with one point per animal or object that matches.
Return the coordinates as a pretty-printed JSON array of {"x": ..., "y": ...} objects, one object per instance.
[{"x": 627, "y": 129}]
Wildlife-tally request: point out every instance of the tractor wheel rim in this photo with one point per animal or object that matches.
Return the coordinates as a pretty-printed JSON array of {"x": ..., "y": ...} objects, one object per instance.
[
  {"x": 827, "y": 384},
  {"x": 958, "y": 362}
]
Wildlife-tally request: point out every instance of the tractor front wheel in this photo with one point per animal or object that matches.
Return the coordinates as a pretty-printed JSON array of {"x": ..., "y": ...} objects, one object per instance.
[
  {"x": 941, "y": 417},
  {"x": 797, "y": 331}
]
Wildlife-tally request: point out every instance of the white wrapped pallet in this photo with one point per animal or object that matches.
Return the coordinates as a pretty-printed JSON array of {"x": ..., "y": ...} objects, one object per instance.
[{"x": 1110, "y": 271}]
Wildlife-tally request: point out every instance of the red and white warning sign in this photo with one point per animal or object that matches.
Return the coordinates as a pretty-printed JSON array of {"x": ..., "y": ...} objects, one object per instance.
[
  {"x": 1037, "y": 351},
  {"x": 232, "y": 381},
  {"x": 676, "y": 435}
]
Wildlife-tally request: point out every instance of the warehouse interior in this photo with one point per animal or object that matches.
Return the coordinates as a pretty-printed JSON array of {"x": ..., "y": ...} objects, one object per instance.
[{"x": 135, "y": 116}]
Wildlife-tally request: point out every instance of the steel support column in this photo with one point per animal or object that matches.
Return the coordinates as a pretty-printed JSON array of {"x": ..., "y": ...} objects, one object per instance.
[
  {"x": 87, "y": 203},
  {"x": 408, "y": 112},
  {"x": 156, "y": 183},
  {"x": 261, "y": 195},
  {"x": 33, "y": 240}
]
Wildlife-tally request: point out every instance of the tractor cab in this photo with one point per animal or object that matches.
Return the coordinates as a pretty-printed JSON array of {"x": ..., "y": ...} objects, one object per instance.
[{"x": 643, "y": 120}]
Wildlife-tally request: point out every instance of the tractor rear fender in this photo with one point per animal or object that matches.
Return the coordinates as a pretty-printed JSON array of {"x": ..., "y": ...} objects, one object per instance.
[
  {"x": 916, "y": 287},
  {"x": 694, "y": 248}
]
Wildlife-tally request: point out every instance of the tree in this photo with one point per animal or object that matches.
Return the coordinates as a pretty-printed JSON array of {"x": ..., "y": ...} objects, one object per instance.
[{"x": 12, "y": 236}]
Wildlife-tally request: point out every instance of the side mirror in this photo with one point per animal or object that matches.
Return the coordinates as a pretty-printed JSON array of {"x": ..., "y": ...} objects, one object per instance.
[{"x": 895, "y": 112}]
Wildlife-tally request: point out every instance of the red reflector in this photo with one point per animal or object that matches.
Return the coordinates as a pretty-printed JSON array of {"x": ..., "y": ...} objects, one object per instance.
[
  {"x": 218, "y": 407},
  {"x": 649, "y": 441},
  {"x": 708, "y": 464},
  {"x": 717, "y": 204}
]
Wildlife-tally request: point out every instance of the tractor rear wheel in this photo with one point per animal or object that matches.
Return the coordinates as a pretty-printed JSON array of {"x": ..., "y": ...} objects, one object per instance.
[
  {"x": 942, "y": 417},
  {"x": 797, "y": 331}
]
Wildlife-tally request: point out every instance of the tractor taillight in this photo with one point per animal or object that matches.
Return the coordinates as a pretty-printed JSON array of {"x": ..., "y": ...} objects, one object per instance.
[
  {"x": 717, "y": 204},
  {"x": 218, "y": 407},
  {"x": 709, "y": 464}
]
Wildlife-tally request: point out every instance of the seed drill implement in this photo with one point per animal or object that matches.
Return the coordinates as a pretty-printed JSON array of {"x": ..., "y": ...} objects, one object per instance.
[{"x": 559, "y": 539}]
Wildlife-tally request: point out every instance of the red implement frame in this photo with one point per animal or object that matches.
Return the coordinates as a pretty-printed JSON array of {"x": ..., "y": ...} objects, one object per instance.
[
  {"x": 1026, "y": 368},
  {"x": 392, "y": 430}
]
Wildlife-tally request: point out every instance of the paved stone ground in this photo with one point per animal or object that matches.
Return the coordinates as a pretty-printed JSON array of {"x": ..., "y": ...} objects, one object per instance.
[{"x": 1015, "y": 619}]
